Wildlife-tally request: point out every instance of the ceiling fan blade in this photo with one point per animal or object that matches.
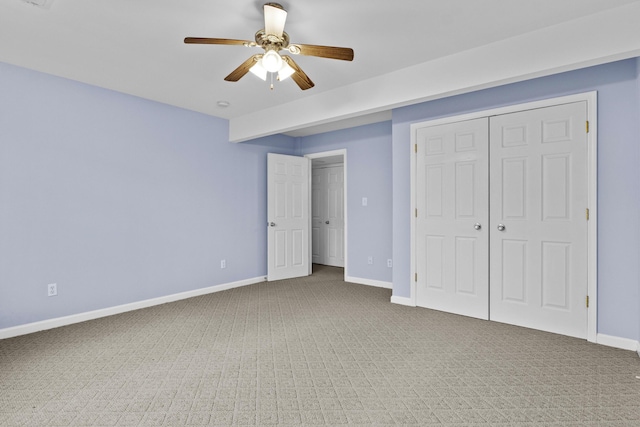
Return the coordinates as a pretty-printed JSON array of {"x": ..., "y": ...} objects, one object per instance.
[
  {"x": 274, "y": 18},
  {"x": 243, "y": 69},
  {"x": 207, "y": 40},
  {"x": 342, "y": 53},
  {"x": 301, "y": 79}
]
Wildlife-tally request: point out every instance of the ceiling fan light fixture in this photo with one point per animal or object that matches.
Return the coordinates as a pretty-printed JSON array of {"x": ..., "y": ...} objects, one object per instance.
[
  {"x": 272, "y": 61},
  {"x": 273, "y": 39},
  {"x": 285, "y": 72},
  {"x": 259, "y": 70}
]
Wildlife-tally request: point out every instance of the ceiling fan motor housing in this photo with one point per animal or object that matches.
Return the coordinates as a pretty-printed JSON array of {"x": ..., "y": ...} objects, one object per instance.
[{"x": 271, "y": 41}]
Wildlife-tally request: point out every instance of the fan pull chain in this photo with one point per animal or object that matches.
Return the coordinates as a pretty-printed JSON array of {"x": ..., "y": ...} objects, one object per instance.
[{"x": 271, "y": 81}]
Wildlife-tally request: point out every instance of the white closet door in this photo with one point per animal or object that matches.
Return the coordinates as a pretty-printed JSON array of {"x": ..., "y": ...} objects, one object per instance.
[
  {"x": 334, "y": 223},
  {"x": 318, "y": 195},
  {"x": 452, "y": 218},
  {"x": 328, "y": 216},
  {"x": 538, "y": 219}
]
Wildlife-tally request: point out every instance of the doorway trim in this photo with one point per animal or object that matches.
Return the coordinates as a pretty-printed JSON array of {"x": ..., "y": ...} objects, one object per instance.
[
  {"x": 591, "y": 99},
  {"x": 341, "y": 152}
]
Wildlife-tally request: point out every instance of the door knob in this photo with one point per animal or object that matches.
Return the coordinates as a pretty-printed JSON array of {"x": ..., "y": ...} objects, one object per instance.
[
  {"x": 501, "y": 227},
  {"x": 272, "y": 224},
  {"x": 477, "y": 226},
  {"x": 326, "y": 222}
]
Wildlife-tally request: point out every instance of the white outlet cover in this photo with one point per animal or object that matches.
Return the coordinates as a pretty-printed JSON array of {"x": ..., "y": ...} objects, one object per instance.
[
  {"x": 52, "y": 289},
  {"x": 364, "y": 201}
]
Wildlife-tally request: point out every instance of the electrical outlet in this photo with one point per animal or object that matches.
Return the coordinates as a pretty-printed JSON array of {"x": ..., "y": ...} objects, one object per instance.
[
  {"x": 223, "y": 263},
  {"x": 365, "y": 202},
  {"x": 370, "y": 260},
  {"x": 389, "y": 263},
  {"x": 52, "y": 289}
]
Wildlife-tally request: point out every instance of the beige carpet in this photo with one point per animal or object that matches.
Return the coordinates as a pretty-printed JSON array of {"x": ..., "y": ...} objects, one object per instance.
[{"x": 312, "y": 351}]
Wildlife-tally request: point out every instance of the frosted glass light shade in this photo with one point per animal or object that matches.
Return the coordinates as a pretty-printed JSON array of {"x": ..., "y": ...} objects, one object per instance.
[
  {"x": 271, "y": 61},
  {"x": 259, "y": 70},
  {"x": 285, "y": 72}
]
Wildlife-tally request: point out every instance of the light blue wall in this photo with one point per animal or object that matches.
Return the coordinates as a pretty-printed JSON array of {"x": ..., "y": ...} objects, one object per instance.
[
  {"x": 618, "y": 178},
  {"x": 118, "y": 199},
  {"x": 368, "y": 175}
]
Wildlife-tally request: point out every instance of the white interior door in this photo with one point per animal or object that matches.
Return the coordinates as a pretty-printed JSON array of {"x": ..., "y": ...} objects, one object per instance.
[
  {"x": 318, "y": 244},
  {"x": 538, "y": 216},
  {"x": 328, "y": 215},
  {"x": 334, "y": 223},
  {"x": 288, "y": 216},
  {"x": 452, "y": 218}
]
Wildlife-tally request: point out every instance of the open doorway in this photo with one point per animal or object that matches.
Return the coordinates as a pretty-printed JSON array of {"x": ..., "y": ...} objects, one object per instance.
[{"x": 328, "y": 207}]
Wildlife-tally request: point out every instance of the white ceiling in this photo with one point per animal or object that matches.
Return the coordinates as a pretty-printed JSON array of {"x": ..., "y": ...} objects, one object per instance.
[{"x": 136, "y": 47}]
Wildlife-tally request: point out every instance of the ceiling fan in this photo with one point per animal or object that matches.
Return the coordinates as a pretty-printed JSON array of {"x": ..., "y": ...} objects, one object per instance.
[{"x": 274, "y": 39}]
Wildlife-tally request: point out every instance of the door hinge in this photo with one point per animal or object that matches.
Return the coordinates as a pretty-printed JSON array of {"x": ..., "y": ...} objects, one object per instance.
[
  {"x": 415, "y": 148},
  {"x": 587, "y": 214},
  {"x": 416, "y": 212},
  {"x": 587, "y": 301},
  {"x": 416, "y": 277},
  {"x": 587, "y": 126}
]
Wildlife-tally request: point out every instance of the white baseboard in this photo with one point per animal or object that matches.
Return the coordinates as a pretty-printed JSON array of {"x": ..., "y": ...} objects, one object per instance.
[
  {"x": 369, "y": 282},
  {"x": 403, "y": 301},
  {"x": 29, "y": 328},
  {"x": 617, "y": 342}
]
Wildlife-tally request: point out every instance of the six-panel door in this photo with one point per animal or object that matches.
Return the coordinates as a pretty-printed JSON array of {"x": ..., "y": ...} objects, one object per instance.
[
  {"x": 538, "y": 214},
  {"x": 452, "y": 218},
  {"x": 327, "y": 228},
  {"x": 287, "y": 216}
]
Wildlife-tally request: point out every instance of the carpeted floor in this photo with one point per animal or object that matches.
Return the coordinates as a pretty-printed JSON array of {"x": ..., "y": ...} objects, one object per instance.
[{"x": 312, "y": 351}]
